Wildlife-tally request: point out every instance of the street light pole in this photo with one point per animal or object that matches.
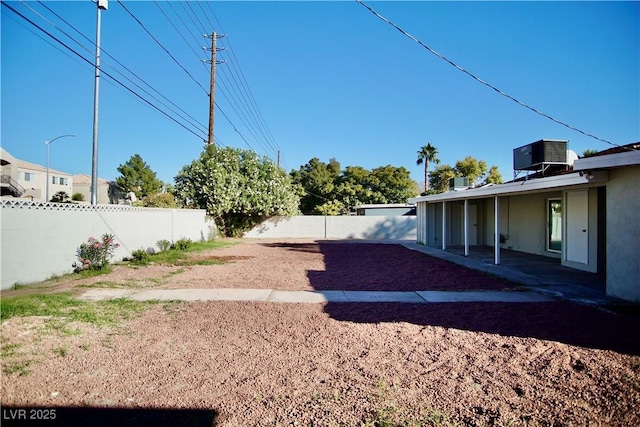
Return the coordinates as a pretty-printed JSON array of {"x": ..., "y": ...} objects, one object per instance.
[
  {"x": 48, "y": 142},
  {"x": 102, "y": 5}
]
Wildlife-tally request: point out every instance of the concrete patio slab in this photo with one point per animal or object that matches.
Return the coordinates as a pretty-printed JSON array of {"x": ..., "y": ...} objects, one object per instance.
[
  {"x": 482, "y": 296},
  {"x": 306, "y": 296},
  {"x": 269, "y": 295},
  {"x": 383, "y": 296},
  {"x": 202, "y": 295}
]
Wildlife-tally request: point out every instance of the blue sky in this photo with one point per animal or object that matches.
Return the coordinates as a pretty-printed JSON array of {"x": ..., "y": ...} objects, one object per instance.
[{"x": 326, "y": 80}]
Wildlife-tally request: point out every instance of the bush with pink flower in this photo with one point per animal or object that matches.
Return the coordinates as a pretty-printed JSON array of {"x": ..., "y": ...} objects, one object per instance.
[{"x": 94, "y": 254}]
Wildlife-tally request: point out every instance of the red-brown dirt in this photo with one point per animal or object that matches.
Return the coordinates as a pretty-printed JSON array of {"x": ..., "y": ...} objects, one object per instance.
[{"x": 254, "y": 364}]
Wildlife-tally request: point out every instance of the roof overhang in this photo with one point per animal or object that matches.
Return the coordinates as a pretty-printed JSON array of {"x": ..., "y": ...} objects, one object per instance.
[
  {"x": 609, "y": 161},
  {"x": 385, "y": 206},
  {"x": 557, "y": 182}
]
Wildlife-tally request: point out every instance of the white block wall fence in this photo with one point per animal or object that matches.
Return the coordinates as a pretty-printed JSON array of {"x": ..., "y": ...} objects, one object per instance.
[
  {"x": 337, "y": 227},
  {"x": 40, "y": 239}
]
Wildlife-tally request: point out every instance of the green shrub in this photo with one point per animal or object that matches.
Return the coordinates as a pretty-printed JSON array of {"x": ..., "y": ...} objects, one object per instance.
[
  {"x": 163, "y": 244},
  {"x": 95, "y": 254},
  {"x": 77, "y": 197},
  {"x": 140, "y": 257},
  {"x": 182, "y": 244},
  {"x": 159, "y": 200},
  {"x": 60, "y": 197}
]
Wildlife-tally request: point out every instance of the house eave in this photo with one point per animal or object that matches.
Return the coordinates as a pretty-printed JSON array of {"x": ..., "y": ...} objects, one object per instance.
[
  {"x": 521, "y": 187},
  {"x": 609, "y": 161}
]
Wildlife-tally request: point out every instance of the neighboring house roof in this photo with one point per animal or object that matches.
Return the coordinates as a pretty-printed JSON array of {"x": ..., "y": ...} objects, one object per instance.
[
  {"x": 83, "y": 178},
  {"x": 34, "y": 167},
  {"x": 619, "y": 149},
  {"x": 5, "y": 157},
  {"x": 627, "y": 155}
]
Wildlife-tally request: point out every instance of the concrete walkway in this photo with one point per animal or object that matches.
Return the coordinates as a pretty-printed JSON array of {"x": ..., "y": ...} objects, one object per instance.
[
  {"x": 557, "y": 282},
  {"x": 537, "y": 287},
  {"x": 270, "y": 295}
]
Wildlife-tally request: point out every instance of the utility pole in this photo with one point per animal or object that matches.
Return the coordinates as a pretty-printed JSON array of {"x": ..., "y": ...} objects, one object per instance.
[
  {"x": 102, "y": 5},
  {"x": 212, "y": 87},
  {"x": 278, "y": 158}
]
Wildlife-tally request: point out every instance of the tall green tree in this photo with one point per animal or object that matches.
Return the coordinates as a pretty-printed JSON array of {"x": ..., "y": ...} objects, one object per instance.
[
  {"x": 439, "y": 178},
  {"x": 471, "y": 168},
  {"x": 317, "y": 181},
  {"x": 137, "y": 176},
  {"x": 391, "y": 184},
  {"x": 493, "y": 176},
  {"x": 328, "y": 191},
  {"x": 427, "y": 153},
  {"x": 237, "y": 188}
]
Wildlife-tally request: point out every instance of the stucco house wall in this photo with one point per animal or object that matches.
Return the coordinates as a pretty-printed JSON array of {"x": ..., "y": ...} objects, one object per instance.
[
  {"x": 527, "y": 223},
  {"x": 623, "y": 231}
]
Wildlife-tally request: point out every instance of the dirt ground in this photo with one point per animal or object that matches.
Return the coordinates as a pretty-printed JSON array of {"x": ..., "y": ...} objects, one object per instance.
[{"x": 382, "y": 364}]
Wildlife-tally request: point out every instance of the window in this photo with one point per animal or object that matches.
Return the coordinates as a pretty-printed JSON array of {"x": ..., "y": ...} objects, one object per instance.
[
  {"x": 28, "y": 176},
  {"x": 64, "y": 181},
  {"x": 554, "y": 221},
  {"x": 54, "y": 180}
]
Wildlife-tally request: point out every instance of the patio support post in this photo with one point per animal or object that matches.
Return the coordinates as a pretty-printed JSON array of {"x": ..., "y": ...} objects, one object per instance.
[
  {"x": 497, "y": 231},
  {"x": 444, "y": 226},
  {"x": 466, "y": 227}
]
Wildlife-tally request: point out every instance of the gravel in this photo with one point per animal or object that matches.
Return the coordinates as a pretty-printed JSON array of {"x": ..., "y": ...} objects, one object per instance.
[{"x": 254, "y": 364}]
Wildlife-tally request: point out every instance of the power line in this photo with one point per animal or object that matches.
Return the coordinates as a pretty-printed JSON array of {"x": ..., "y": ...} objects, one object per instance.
[
  {"x": 180, "y": 33},
  {"x": 482, "y": 81},
  {"x": 119, "y": 63},
  {"x": 245, "y": 86},
  {"x": 234, "y": 127},
  {"x": 106, "y": 73},
  {"x": 46, "y": 41},
  {"x": 162, "y": 46}
]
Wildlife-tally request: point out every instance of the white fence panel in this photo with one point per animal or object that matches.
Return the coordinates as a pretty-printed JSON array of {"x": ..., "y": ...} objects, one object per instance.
[
  {"x": 337, "y": 227},
  {"x": 40, "y": 239}
]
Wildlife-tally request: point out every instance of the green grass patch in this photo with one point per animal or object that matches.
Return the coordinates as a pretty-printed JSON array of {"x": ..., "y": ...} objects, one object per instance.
[
  {"x": 202, "y": 262},
  {"x": 66, "y": 307},
  {"x": 8, "y": 350},
  {"x": 60, "y": 351},
  {"x": 392, "y": 416},
  {"x": 84, "y": 274},
  {"x": 181, "y": 257},
  {"x": 19, "y": 367}
]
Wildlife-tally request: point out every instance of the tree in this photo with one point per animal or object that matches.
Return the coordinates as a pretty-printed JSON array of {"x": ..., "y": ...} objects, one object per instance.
[
  {"x": 138, "y": 177},
  {"x": 439, "y": 179},
  {"x": 317, "y": 181},
  {"x": 428, "y": 153},
  {"x": 493, "y": 176},
  {"x": 332, "y": 208},
  {"x": 327, "y": 191},
  {"x": 390, "y": 184},
  {"x": 589, "y": 152},
  {"x": 471, "y": 168},
  {"x": 158, "y": 200},
  {"x": 236, "y": 187}
]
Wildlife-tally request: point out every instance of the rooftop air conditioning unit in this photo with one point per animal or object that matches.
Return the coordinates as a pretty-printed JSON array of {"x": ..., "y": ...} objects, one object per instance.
[
  {"x": 535, "y": 156},
  {"x": 458, "y": 183}
]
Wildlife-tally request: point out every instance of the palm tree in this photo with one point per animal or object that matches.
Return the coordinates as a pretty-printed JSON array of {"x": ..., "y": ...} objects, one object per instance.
[{"x": 428, "y": 153}]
